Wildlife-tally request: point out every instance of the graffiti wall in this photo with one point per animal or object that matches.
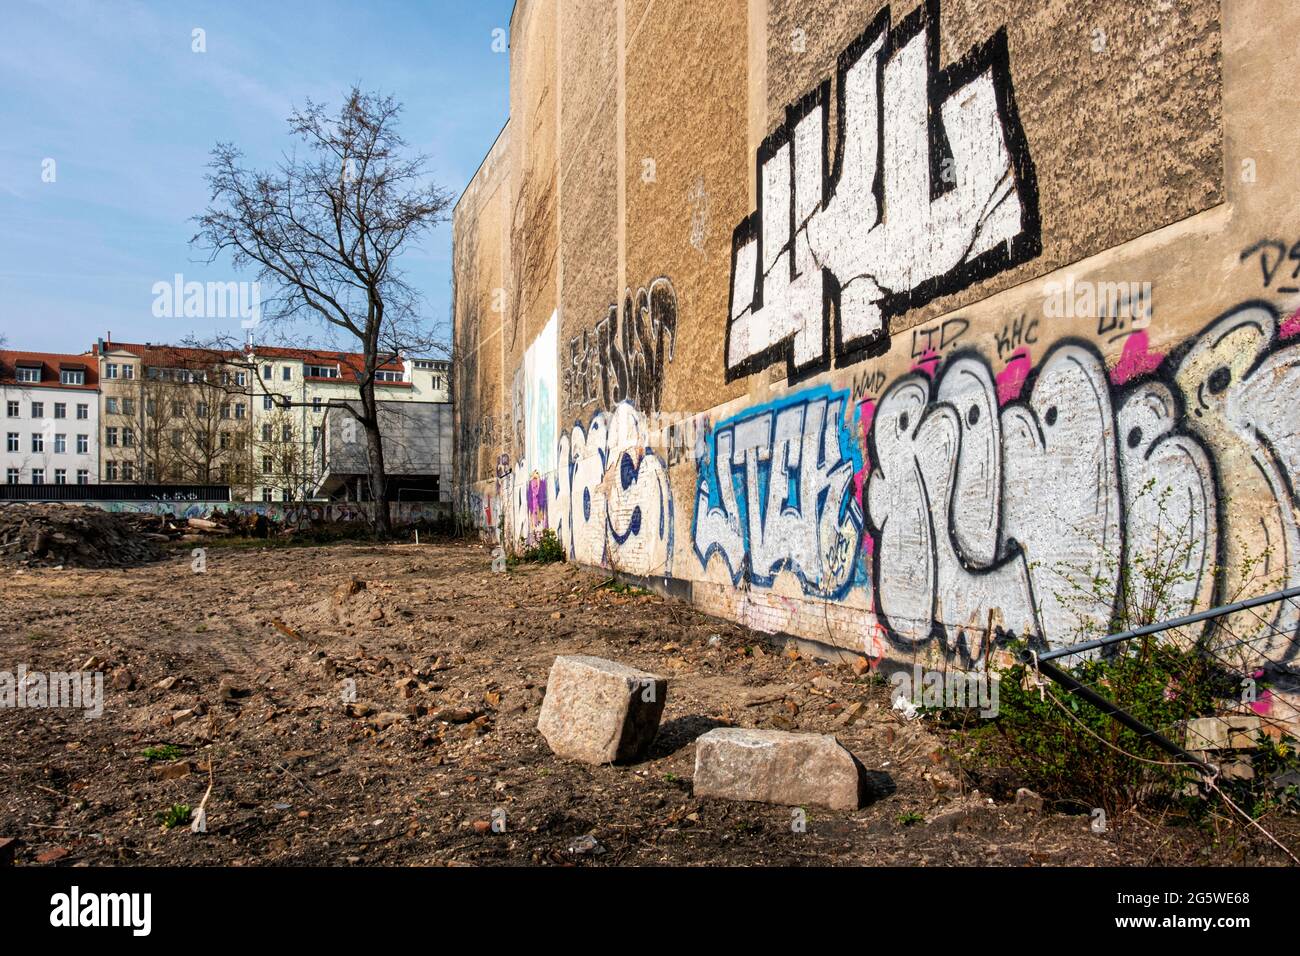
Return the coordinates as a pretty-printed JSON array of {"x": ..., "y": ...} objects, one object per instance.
[
  {"x": 525, "y": 482},
  {"x": 403, "y": 512},
  {"x": 931, "y": 188},
  {"x": 961, "y": 322}
]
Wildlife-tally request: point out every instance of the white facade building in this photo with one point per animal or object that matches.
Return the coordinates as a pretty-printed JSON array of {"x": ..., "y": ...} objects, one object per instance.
[
  {"x": 290, "y": 392},
  {"x": 49, "y": 418}
]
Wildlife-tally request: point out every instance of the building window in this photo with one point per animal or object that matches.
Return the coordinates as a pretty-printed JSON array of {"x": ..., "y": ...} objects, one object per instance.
[
  {"x": 38, "y": 441},
  {"x": 268, "y": 402},
  {"x": 266, "y": 494},
  {"x": 315, "y": 404},
  {"x": 286, "y": 373},
  {"x": 60, "y": 476},
  {"x": 110, "y": 370},
  {"x": 38, "y": 476},
  {"x": 382, "y": 376},
  {"x": 241, "y": 379},
  {"x": 266, "y": 373},
  {"x": 128, "y": 471},
  {"x": 128, "y": 438},
  {"x": 13, "y": 441},
  {"x": 286, "y": 432},
  {"x": 11, "y": 476},
  {"x": 70, "y": 377},
  {"x": 60, "y": 410},
  {"x": 177, "y": 411},
  {"x": 110, "y": 437},
  {"x": 239, "y": 410},
  {"x": 266, "y": 464},
  {"x": 150, "y": 407},
  {"x": 11, "y": 409},
  {"x": 83, "y": 412},
  {"x": 83, "y": 476},
  {"x": 225, "y": 411},
  {"x": 240, "y": 472},
  {"x": 321, "y": 371},
  {"x": 128, "y": 372},
  {"x": 29, "y": 373},
  {"x": 266, "y": 431},
  {"x": 150, "y": 473},
  {"x": 201, "y": 409},
  {"x": 128, "y": 406},
  {"x": 315, "y": 434},
  {"x": 38, "y": 409},
  {"x": 224, "y": 440},
  {"x": 83, "y": 444},
  {"x": 176, "y": 438},
  {"x": 110, "y": 471},
  {"x": 110, "y": 406},
  {"x": 60, "y": 444}
]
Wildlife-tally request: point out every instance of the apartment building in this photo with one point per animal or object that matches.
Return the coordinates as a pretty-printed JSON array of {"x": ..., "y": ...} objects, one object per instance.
[
  {"x": 292, "y": 389},
  {"x": 250, "y": 419},
  {"x": 51, "y": 418},
  {"x": 172, "y": 415}
]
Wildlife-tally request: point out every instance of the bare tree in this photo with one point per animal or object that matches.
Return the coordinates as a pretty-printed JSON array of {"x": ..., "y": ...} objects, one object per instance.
[{"x": 325, "y": 232}]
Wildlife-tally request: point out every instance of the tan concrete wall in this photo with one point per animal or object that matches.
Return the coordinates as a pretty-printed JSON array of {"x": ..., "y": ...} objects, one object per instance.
[
  {"x": 1025, "y": 298},
  {"x": 480, "y": 231}
]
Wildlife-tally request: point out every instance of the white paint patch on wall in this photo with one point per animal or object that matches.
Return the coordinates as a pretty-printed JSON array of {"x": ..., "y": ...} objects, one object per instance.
[{"x": 542, "y": 397}]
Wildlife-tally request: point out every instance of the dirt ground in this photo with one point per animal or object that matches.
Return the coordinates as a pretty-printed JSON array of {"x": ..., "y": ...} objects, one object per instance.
[{"x": 246, "y": 669}]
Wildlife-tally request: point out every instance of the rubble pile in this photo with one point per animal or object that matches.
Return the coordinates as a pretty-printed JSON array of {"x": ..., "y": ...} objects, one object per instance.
[{"x": 70, "y": 535}]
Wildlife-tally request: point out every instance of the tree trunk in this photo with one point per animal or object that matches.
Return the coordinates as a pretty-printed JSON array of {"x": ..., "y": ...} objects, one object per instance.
[{"x": 375, "y": 461}]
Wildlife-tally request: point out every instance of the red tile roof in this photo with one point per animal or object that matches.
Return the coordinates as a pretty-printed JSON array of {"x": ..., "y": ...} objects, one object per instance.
[
  {"x": 180, "y": 356},
  {"x": 169, "y": 355},
  {"x": 49, "y": 363}
]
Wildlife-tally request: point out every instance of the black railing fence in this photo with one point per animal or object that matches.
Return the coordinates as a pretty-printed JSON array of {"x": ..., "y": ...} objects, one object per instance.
[{"x": 113, "y": 492}]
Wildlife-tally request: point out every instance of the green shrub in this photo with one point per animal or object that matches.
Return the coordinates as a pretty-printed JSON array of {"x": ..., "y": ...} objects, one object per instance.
[
  {"x": 164, "y": 752},
  {"x": 1074, "y": 754},
  {"x": 1052, "y": 741},
  {"x": 546, "y": 549},
  {"x": 176, "y": 815}
]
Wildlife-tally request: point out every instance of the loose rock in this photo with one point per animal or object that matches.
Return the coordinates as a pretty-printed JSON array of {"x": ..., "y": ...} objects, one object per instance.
[
  {"x": 773, "y": 766},
  {"x": 600, "y": 711}
]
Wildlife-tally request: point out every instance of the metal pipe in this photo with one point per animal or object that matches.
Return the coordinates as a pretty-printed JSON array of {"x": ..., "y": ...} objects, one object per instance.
[
  {"x": 1173, "y": 622},
  {"x": 1106, "y": 707}
]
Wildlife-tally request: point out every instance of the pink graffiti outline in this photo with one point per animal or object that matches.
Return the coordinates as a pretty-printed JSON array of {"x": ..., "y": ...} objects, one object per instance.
[{"x": 1136, "y": 359}]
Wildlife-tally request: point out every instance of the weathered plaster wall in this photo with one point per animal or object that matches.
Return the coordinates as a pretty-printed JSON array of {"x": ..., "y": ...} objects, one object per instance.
[
  {"x": 480, "y": 239},
  {"x": 880, "y": 325}
]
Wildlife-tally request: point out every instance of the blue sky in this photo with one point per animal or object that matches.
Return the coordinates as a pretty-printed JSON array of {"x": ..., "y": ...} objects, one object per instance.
[{"x": 112, "y": 91}]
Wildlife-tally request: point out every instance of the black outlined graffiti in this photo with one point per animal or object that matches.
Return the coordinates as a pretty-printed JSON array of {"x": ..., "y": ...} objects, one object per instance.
[
  {"x": 625, "y": 361},
  {"x": 929, "y": 192},
  {"x": 985, "y": 512},
  {"x": 1273, "y": 253},
  {"x": 1021, "y": 331},
  {"x": 935, "y": 339}
]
